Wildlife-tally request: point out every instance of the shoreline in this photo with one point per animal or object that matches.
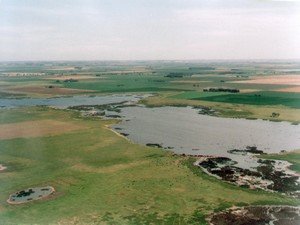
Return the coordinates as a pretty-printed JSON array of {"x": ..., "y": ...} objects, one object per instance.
[
  {"x": 118, "y": 134},
  {"x": 254, "y": 213}
]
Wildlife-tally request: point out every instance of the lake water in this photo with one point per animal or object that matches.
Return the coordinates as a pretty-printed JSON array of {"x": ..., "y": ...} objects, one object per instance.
[
  {"x": 189, "y": 132},
  {"x": 65, "y": 102}
]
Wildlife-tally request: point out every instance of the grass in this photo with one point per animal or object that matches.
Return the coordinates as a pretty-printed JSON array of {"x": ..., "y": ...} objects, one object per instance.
[
  {"x": 102, "y": 178},
  {"x": 196, "y": 94},
  {"x": 124, "y": 83},
  {"x": 291, "y": 100}
]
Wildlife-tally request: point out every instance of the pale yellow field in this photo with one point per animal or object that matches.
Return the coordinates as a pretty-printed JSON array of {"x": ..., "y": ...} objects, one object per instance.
[
  {"x": 291, "y": 89},
  {"x": 280, "y": 79},
  {"x": 37, "y": 128}
]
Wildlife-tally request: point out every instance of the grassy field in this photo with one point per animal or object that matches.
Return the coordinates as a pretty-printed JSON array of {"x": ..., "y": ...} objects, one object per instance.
[
  {"x": 124, "y": 83},
  {"x": 101, "y": 178},
  {"x": 190, "y": 95},
  {"x": 291, "y": 100}
]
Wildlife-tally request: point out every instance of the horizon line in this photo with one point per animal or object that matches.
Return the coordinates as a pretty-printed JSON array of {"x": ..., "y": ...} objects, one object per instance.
[{"x": 144, "y": 60}]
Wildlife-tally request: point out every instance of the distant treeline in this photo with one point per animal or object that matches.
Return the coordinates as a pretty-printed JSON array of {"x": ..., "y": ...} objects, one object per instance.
[
  {"x": 232, "y": 72},
  {"x": 176, "y": 75},
  {"x": 202, "y": 68},
  {"x": 221, "y": 90}
]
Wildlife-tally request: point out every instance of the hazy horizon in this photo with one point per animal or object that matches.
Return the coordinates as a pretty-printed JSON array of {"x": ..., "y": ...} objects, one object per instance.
[
  {"x": 153, "y": 60},
  {"x": 149, "y": 30}
]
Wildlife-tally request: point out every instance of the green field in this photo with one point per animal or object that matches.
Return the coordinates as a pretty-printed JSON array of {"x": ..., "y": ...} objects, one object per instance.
[
  {"x": 191, "y": 95},
  {"x": 102, "y": 178},
  {"x": 291, "y": 100}
]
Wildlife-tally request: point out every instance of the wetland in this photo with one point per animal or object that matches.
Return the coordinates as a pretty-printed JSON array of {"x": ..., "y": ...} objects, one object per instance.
[
  {"x": 176, "y": 153},
  {"x": 231, "y": 144}
]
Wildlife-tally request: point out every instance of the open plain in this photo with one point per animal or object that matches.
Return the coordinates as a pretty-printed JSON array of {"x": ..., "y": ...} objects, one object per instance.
[{"x": 100, "y": 177}]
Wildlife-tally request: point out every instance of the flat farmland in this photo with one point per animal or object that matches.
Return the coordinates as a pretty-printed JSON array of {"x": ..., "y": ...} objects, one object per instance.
[
  {"x": 278, "y": 79},
  {"x": 258, "y": 98}
]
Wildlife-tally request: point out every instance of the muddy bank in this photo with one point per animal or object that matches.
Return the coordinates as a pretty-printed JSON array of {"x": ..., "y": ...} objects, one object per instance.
[
  {"x": 257, "y": 215},
  {"x": 268, "y": 175},
  {"x": 111, "y": 110}
]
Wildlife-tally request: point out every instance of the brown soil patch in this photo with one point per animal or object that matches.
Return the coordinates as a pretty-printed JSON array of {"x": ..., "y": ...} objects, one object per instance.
[
  {"x": 291, "y": 89},
  {"x": 37, "y": 128},
  {"x": 61, "y": 78},
  {"x": 280, "y": 79},
  {"x": 179, "y": 189},
  {"x": 46, "y": 90}
]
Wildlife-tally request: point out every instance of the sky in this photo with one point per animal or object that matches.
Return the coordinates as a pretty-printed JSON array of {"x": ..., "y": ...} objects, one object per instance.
[{"x": 149, "y": 29}]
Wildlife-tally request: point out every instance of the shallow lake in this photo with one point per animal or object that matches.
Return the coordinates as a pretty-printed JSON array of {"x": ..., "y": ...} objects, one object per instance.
[
  {"x": 186, "y": 131},
  {"x": 64, "y": 102}
]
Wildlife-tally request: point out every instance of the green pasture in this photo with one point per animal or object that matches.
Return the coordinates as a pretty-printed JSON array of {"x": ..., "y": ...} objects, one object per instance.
[
  {"x": 291, "y": 100},
  {"x": 196, "y": 94},
  {"x": 101, "y": 178},
  {"x": 124, "y": 83}
]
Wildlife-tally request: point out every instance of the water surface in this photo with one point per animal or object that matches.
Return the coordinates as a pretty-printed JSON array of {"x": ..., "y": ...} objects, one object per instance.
[
  {"x": 64, "y": 102},
  {"x": 186, "y": 131}
]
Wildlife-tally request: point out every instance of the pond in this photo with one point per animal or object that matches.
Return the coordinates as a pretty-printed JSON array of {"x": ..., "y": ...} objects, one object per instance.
[{"x": 30, "y": 194}]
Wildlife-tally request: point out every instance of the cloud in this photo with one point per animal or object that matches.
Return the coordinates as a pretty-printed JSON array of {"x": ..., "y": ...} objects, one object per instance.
[{"x": 170, "y": 29}]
